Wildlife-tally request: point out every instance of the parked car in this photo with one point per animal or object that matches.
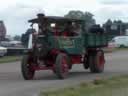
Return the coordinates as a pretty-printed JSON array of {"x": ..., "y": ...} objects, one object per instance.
[
  {"x": 11, "y": 44},
  {"x": 120, "y": 41},
  {"x": 111, "y": 45},
  {"x": 16, "y": 43},
  {"x": 3, "y": 51},
  {"x": 5, "y": 44}
]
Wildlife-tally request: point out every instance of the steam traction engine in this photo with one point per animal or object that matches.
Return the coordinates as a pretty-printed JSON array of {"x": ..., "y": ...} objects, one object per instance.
[{"x": 61, "y": 43}]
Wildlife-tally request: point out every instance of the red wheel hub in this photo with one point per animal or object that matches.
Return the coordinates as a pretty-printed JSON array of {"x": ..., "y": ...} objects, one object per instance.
[
  {"x": 64, "y": 66},
  {"x": 100, "y": 60}
]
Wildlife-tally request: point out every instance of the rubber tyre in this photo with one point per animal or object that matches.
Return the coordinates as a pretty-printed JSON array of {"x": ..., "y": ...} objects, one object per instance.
[
  {"x": 61, "y": 66},
  {"x": 26, "y": 70},
  {"x": 70, "y": 66},
  {"x": 69, "y": 62},
  {"x": 97, "y": 61},
  {"x": 86, "y": 62}
]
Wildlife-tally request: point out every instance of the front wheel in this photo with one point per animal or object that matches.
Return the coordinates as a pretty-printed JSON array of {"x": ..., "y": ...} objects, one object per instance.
[
  {"x": 97, "y": 62},
  {"x": 61, "y": 66},
  {"x": 86, "y": 62},
  {"x": 26, "y": 68}
]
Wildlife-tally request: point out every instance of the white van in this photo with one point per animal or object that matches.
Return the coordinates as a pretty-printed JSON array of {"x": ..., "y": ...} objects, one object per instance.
[
  {"x": 120, "y": 41},
  {"x": 3, "y": 51}
]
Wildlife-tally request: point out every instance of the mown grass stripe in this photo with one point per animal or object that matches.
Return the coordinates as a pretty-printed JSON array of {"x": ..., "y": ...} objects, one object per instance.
[{"x": 115, "y": 86}]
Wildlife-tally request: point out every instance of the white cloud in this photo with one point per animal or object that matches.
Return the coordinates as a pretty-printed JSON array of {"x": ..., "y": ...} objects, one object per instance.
[
  {"x": 112, "y": 12},
  {"x": 114, "y": 2},
  {"x": 15, "y": 13},
  {"x": 7, "y": 3}
]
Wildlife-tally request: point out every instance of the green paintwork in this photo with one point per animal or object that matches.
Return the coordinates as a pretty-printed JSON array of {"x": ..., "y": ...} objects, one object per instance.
[
  {"x": 77, "y": 44},
  {"x": 94, "y": 40},
  {"x": 72, "y": 45}
]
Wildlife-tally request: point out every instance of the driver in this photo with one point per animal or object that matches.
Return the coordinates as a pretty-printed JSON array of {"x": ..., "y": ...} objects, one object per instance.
[
  {"x": 42, "y": 24},
  {"x": 68, "y": 31}
]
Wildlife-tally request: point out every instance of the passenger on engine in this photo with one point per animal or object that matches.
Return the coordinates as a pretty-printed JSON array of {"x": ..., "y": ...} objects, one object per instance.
[{"x": 68, "y": 31}]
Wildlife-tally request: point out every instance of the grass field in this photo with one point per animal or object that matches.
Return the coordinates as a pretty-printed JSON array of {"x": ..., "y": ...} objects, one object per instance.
[
  {"x": 122, "y": 48},
  {"x": 109, "y": 50},
  {"x": 7, "y": 59},
  {"x": 116, "y": 86}
]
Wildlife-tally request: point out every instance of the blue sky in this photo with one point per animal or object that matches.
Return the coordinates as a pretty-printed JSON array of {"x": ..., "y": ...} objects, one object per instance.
[{"x": 15, "y": 13}]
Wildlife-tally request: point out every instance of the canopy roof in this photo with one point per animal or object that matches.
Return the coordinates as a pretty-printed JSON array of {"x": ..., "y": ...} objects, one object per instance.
[{"x": 54, "y": 19}]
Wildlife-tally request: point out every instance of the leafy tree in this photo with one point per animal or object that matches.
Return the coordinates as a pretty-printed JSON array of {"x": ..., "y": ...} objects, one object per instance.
[
  {"x": 17, "y": 38},
  {"x": 109, "y": 22},
  {"x": 75, "y": 15},
  {"x": 25, "y": 36},
  {"x": 89, "y": 20},
  {"x": 87, "y": 16},
  {"x": 107, "y": 26},
  {"x": 116, "y": 27}
]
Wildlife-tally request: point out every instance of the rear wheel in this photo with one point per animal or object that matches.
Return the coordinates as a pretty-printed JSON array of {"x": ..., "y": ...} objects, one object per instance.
[
  {"x": 61, "y": 66},
  {"x": 26, "y": 68},
  {"x": 97, "y": 61}
]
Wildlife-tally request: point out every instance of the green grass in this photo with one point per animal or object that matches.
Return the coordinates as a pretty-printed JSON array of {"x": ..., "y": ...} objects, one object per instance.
[
  {"x": 122, "y": 48},
  {"x": 7, "y": 59},
  {"x": 116, "y": 86},
  {"x": 109, "y": 50}
]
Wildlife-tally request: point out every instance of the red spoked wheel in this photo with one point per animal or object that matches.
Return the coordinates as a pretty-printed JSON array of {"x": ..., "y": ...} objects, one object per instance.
[
  {"x": 61, "y": 66},
  {"x": 97, "y": 61},
  {"x": 26, "y": 68},
  {"x": 100, "y": 60}
]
